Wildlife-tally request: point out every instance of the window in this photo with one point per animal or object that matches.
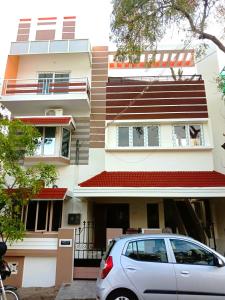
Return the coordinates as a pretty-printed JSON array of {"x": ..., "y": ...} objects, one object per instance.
[
  {"x": 138, "y": 136},
  {"x": 189, "y": 253},
  {"x": 123, "y": 136},
  {"x": 65, "y": 142},
  {"x": 152, "y": 250},
  {"x": 187, "y": 135},
  {"x": 46, "y": 143},
  {"x": 43, "y": 215},
  {"x": 53, "y": 82}
]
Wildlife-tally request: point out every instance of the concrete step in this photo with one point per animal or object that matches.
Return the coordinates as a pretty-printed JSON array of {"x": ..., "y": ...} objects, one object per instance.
[{"x": 77, "y": 290}]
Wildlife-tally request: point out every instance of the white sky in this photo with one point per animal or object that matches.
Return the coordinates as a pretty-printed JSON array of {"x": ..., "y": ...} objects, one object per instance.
[{"x": 93, "y": 20}]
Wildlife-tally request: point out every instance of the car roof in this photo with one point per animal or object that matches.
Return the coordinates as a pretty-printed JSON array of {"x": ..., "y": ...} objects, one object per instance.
[{"x": 128, "y": 237}]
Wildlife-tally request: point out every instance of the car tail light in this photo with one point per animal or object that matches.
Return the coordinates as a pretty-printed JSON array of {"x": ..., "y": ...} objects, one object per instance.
[{"x": 108, "y": 267}]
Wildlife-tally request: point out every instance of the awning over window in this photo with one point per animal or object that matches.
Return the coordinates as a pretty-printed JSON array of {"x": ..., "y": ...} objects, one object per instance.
[
  {"x": 156, "y": 179},
  {"x": 51, "y": 194},
  {"x": 48, "y": 120}
]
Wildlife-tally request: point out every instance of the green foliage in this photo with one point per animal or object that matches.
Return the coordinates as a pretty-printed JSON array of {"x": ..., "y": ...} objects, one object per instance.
[
  {"x": 221, "y": 84},
  {"x": 138, "y": 25},
  {"x": 18, "y": 184}
]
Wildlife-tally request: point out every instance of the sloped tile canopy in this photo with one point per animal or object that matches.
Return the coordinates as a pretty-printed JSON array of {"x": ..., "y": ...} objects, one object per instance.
[{"x": 156, "y": 179}]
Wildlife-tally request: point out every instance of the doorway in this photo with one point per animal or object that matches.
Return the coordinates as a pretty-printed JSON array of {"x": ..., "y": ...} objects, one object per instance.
[{"x": 109, "y": 216}]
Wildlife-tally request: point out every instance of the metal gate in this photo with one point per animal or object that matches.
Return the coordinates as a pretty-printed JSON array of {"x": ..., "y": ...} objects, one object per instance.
[{"x": 86, "y": 254}]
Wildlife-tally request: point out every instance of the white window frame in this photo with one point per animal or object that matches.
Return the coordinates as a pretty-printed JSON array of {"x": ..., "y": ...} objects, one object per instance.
[
  {"x": 53, "y": 77},
  {"x": 42, "y": 142},
  {"x": 130, "y": 132},
  {"x": 187, "y": 132}
]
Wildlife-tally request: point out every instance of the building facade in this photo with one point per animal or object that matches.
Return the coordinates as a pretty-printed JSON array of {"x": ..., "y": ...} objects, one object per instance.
[{"x": 137, "y": 148}]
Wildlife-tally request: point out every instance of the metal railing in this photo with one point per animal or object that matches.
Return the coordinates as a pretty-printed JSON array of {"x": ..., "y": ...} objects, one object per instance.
[
  {"x": 155, "y": 78},
  {"x": 45, "y": 86},
  {"x": 84, "y": 242}
]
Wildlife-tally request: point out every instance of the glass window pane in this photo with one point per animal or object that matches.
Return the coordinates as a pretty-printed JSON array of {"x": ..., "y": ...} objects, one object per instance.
[
  {"x": 123, "y": 134},
  {"x": 56, "y": 215},
  {"x": 153, "y": 136},
  {"x": 31, "y": 216},
  {"x": 65, "y": 142},
  {"x": 153, "y": 250},
  {"x": 189, "y": 253},
  {"x": 44, "y": 80},
  {"x": 39, "y": 141},
  {"x": 61, "y": 82},
  {"x": 180, "y": 138},
  {"x": 49, "y": 141},
  {"x": 42, "y": 214},
  {"x": 138, "y": 136},
  {"x": 195, "y": 135},
  {"x": 153, "y": 215}
]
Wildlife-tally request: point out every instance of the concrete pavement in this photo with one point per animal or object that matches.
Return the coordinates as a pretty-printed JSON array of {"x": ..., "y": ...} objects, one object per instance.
[{"x": 77, "y": 290}]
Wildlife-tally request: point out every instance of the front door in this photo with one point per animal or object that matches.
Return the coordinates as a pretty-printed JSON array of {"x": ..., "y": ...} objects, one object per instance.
[
  {"x": 149, "y": 270},
  {"x": 197, "y": 275},
  {"x": 109, "y": 216}
]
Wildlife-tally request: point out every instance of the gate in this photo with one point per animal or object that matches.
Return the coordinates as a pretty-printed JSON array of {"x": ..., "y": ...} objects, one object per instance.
[{"x": 86, "y": 254}]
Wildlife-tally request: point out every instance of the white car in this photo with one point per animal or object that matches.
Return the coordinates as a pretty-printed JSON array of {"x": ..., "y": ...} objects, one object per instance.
[{"x": 160, "y": 267}]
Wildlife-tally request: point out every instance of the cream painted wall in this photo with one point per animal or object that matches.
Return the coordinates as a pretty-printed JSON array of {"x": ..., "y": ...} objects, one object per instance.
[
  {"x": 137, "y": 209},
  {"x": 39, "y": 272},
  {"x": 216, "y": 107},
  {"x": 167, "y": 160},
  {"x": 77, "y": 64},
  {"x": 96, "y": 164}
]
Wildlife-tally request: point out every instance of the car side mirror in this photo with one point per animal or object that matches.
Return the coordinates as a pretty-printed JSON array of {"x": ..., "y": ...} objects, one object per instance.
[{"x": 218, "y": 262}]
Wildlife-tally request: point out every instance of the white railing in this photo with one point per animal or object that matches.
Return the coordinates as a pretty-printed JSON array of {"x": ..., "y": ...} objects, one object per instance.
[
  {"x": 54, "y": 46},
  {"x": 45, "y": 86}
]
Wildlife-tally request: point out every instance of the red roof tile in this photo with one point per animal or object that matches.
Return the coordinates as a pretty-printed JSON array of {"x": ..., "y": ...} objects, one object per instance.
[
  {"x": 156, "y": 179},
  {"x": 47, "y": 194},
  {"x": 46, "y": 120},
  {"x": 51, "y": 194}
]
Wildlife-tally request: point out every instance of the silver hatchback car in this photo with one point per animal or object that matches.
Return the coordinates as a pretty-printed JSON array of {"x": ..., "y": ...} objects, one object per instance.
[{"x": 160, "y": 267}]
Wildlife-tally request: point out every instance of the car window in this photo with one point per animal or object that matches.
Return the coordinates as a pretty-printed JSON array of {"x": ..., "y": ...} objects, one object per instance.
[
  {"x": 152, "y": 250},
  {"x": 189, "y": 253}
]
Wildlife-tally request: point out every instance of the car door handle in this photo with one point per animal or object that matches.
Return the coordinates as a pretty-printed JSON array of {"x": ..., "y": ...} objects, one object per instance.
[{"x": 184, "y": 273}]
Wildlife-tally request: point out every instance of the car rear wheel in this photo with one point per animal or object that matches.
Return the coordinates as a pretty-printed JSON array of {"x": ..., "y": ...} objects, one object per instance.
[{"x": 122, "y": 295}]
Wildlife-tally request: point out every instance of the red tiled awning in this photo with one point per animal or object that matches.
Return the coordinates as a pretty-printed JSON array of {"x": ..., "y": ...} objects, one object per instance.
[
  {"x": 46, "y": 120},
  {"x": 51, "y": 194},
  {"x": 156, "y": 179}
]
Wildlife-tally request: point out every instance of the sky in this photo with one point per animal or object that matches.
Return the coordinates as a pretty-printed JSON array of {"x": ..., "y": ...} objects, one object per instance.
[{"x": 93, "y": 20}]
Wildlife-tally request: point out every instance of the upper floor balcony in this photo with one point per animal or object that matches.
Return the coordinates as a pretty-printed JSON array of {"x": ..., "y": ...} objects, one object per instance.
[
  {"x": 52, "y": 89},
  {"x": 51, "y": 47}
]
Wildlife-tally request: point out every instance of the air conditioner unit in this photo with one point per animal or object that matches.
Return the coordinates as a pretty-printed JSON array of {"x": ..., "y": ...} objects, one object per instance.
[{"x": 54, "y": 112}]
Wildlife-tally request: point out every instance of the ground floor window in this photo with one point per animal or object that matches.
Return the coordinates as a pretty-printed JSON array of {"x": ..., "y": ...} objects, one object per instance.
[{"x": 43, "y": 215}]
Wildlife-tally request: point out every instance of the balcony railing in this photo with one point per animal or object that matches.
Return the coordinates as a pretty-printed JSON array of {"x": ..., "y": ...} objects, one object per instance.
[
  {"x": 155, "y": 78},
  {"x": 56, "y": 46},
  {"x": 45, "y": 86}
]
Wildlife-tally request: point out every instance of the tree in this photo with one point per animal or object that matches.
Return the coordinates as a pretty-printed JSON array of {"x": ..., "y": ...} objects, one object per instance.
[
  {"x": 18, "y": 184},
  {"x": 138, "y": 25}
]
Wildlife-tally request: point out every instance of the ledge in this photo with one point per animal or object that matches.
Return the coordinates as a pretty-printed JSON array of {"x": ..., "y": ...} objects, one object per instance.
[
  {"x": 57, "y": 160},
  {"x": 145, "y": 149}
]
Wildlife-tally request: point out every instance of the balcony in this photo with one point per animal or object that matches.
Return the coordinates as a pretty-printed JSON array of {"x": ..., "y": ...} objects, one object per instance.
[
  {"x": 51, "y": 47},
  {"x": 71, "y": 94}
]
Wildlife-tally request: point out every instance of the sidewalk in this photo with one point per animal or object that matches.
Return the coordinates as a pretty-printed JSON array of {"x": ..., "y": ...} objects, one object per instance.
[
  {"x": 78, "y": 290},
  {"x": 37, "y": 293}
]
